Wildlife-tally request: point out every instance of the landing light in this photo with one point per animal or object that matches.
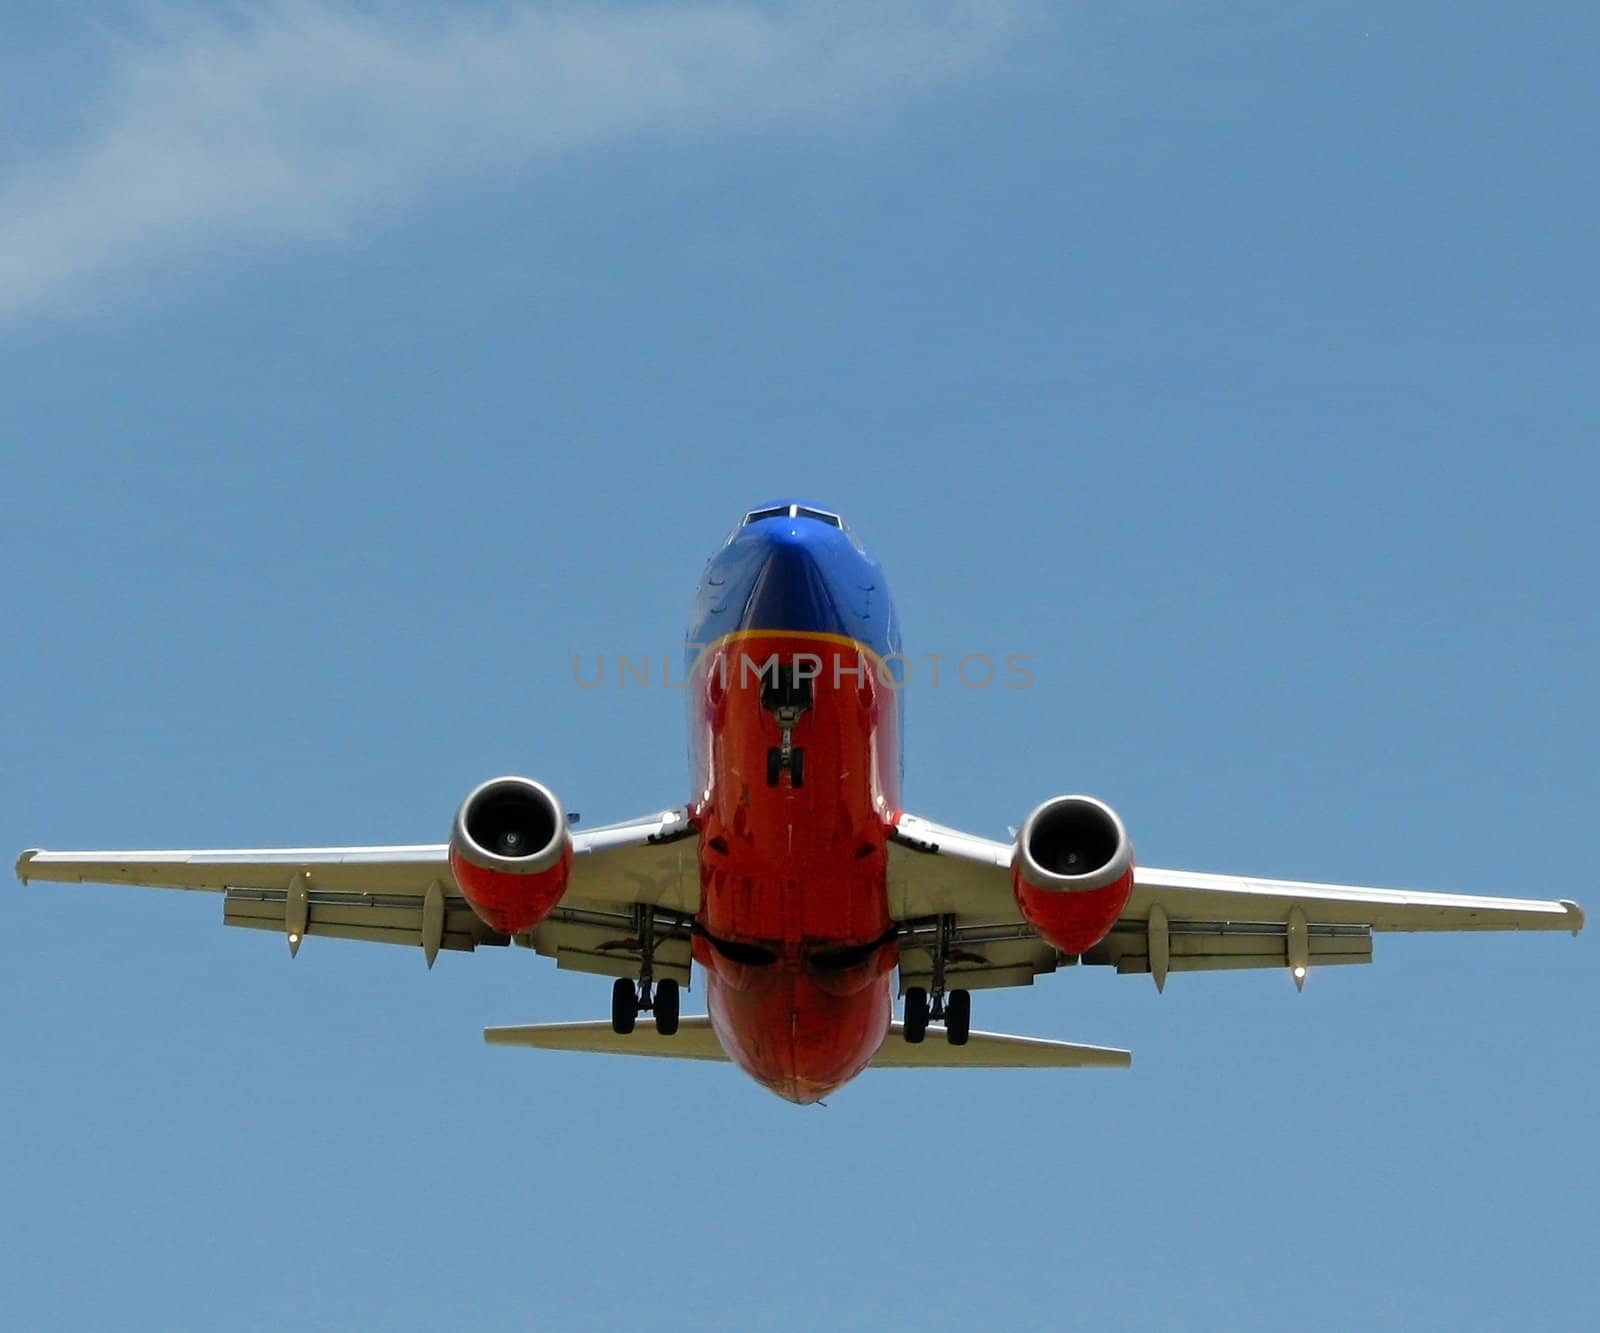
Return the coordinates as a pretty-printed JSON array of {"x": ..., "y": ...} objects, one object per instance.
[
  {"x": 293, "y": 938},
  {"x": 1299, "y": 974}
]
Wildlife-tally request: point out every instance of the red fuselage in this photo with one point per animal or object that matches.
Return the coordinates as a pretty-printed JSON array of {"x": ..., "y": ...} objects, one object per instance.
[{"x": 794, "y": 734}]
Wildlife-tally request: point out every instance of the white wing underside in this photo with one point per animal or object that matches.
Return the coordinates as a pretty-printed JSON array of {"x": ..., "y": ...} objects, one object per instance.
[
  {"x": 407, "y": 895},
  {"x": 1176, "y": 920}
]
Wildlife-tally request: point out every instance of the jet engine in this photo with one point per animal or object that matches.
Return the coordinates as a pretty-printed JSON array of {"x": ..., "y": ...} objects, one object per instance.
[
  {"x": 1072, "y": 872},
  {"x": 511, "y": 853}
]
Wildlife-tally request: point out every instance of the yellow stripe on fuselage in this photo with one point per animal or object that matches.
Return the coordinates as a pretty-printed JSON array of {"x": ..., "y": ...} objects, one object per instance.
[{"x": 810, "y": 635}]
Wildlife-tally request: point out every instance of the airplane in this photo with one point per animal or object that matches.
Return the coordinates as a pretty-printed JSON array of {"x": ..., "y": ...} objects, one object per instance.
[{"x": 792, "y": 877}]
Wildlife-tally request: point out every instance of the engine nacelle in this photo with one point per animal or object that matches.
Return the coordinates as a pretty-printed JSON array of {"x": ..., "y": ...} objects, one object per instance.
[
  {"x": 511, "y": 853},
  {"x": 1072, "y": 872}
]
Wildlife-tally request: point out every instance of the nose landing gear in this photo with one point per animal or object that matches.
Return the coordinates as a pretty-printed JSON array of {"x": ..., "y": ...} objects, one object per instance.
[{"x": 787, "y": 695}]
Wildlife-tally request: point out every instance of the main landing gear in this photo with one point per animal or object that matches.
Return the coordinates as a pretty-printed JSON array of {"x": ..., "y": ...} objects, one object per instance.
[
  {"x": 660, "y": 998},
  {"x": 954, "y": 1008},
  {"x": 628, "y": 1000}
]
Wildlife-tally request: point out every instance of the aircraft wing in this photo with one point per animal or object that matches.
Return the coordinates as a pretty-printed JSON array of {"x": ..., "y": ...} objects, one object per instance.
[
  {"x": 407, "y": 895},
  {"x": 1175, "y": 921}
]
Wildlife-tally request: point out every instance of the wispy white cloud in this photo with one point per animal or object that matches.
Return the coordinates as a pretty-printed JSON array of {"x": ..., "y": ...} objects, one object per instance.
[{"x": 305, "y": 119}]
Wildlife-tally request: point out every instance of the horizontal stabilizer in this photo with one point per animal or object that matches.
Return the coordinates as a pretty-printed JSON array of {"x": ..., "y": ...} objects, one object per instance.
[
  {"x": 994, "y": 1050},
  {"x": 696, "y": 1041}
]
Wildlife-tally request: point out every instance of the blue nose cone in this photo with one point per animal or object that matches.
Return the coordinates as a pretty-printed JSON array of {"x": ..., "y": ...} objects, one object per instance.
[
  {"x": 793, "y": 567},
  {"x": 790, "y": 588}
]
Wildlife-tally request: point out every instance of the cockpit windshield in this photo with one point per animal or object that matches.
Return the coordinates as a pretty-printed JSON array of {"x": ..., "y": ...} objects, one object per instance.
[{"x": 792, "y": 511}]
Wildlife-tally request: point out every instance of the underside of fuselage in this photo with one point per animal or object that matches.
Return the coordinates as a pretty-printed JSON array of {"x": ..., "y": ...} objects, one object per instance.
[{"x": 795, "y": 743}]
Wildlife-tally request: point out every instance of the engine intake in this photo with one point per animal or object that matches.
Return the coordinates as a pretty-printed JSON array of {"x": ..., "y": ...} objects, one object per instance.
[
  {"x": 511, "y": 853},
  {"x": 1072, "y": 872}
]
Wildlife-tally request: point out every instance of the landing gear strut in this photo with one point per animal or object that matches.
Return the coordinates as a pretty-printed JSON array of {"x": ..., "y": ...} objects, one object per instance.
[
  {"x": 648, "y": 996},
  {"x": 953, "y": 1008}
]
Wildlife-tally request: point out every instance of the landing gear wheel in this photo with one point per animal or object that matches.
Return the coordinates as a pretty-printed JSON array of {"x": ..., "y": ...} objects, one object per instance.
[
  {"x": 666, "y": 1007},
  {"x": 958, "y": 1016},
  {"x": 624, "y": 1006},
  {"x": 797, "y": 767},
  {"x": 916, "y": 1024}
]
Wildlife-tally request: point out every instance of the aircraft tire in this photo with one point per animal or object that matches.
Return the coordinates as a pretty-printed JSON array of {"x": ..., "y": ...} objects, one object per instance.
[
  {"x": 916, "y": 1020},
  {"x": 666, "y": 1007},
  {"x": 624, "y": 1006},
  {"x": 958, "y": 1016}
]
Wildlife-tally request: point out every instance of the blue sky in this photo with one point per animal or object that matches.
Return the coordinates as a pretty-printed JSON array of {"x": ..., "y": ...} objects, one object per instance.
[{"x": 360, "y": 364}]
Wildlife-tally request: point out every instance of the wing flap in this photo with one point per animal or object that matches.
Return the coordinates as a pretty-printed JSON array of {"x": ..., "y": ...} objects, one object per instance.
[
  {"x": 1216, "y": 947},
  {"x": 604, "y": 943},
  {"x": 461, "y": 929}
]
